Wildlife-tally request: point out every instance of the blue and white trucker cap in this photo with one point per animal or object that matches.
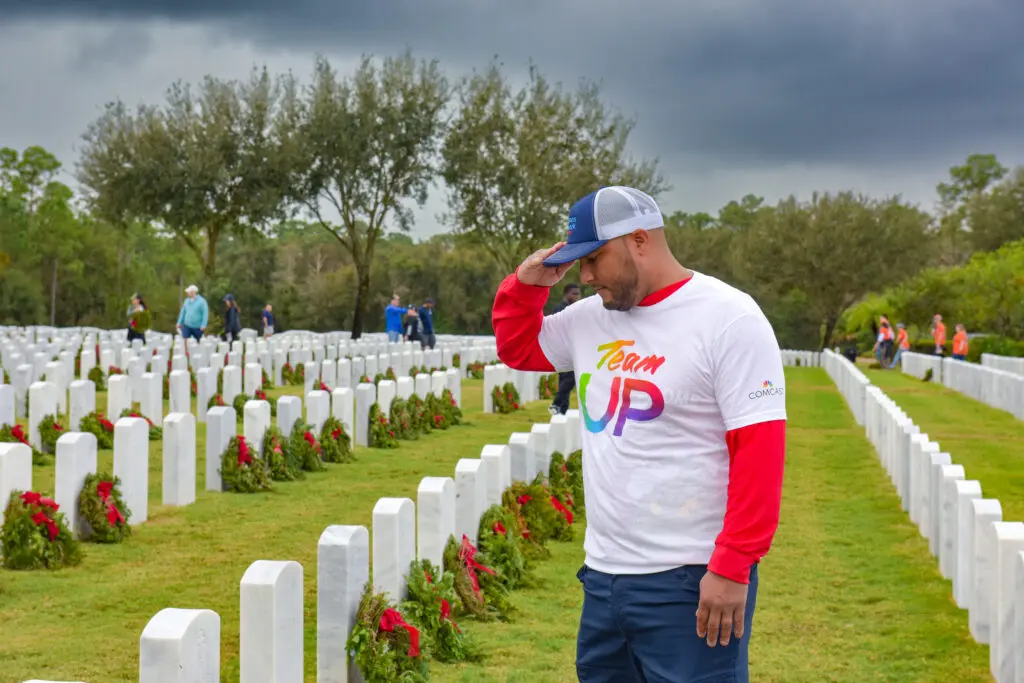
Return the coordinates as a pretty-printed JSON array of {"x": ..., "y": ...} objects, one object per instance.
[{"x": 604, "y": 215}]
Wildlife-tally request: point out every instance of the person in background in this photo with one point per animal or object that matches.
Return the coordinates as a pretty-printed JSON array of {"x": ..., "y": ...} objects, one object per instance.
[
  {"x": 426, "y": 316},
  {"x": 412, "y": 326},
  {"x": 939, "y": 334},
  {"x": 902, "y": 344},
  {"x": 566, "y": 380},
  {"x": 883, "y": 341},
  {"x": 393, "y": 319},
  {"x": 960, "y": 343},
  {"x": 194, "y": 315},
  {"x": 139, "y": 320},
  {"x": 232, "y": 319},
  {"x": 268, "y": 322}
]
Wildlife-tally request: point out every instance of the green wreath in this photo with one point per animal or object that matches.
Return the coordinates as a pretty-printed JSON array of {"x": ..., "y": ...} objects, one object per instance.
[
  {"x": 505, "y": 398},
  {"x": 540, "y": 512},
  {"x": 155, "y": 433},
  {"x": 103, "y": 508},
  {"x": 429, "y": 606},
  {"x": 499, "y": 539},
  {"x": 287, "y": 374},
  {"x": 260, "y": 395},
  {"x": 114, "y": 370},
  {"x": 193, "y": 386},
  {"x": 381, "y": 433},
  {"x": 401, "y": 421},
  {"x": 217, "y": 400},
  {"x": 469, "y": 567},
  {"x": 16, "y": 434},
  {"x": 299, "y": 376},
  {"x": 282, "y": 464},
  {"x": 439, "y": 415},
  {"x": 476, "y": 370},
  {"x": 390, "y": 374},
  {"x": 335, "y": 443},
  {"x": 50, "y": 429},
  {"x": 413, "y": 371},
  {"x": 103, "y": 429},
  {"x": 456, "y": 360},
  {"x": 97, "y": 377},
  {"x": 574, "y": 467},
  {"x": 304, "y": 448},
  {"x": 239, "y": 405},
  {"x": 383, "y": 645},
  {"x": 242, "y": 470},
  {"x": 35, "y": 535},
  {"x": 421, "y": 418},
  {"x": 267, "y": 383},
  {"x": 547, "y": 386},
  {"x": 451, "y": 406},
  {"x": 378, "y": 378}
]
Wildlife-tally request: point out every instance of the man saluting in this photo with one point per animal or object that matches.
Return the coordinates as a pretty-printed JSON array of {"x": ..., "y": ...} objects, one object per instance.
[{"x": 682, "y": 401}]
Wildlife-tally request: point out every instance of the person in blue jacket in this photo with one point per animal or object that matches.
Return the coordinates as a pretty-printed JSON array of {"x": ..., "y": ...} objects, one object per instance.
[
  {"x": 426, "y": 314},
  {"x": 194, "y": 315},
  {"x": 393, "y": 319}
]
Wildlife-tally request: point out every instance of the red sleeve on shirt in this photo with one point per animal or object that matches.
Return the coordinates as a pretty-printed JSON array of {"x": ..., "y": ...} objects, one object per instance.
[
  {"x": 756, "y": 457},
  {"x": 517, "y": 316}
]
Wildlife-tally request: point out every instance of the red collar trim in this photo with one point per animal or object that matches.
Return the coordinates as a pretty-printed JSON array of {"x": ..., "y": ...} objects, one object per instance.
[{"x": 663, "y": 293}]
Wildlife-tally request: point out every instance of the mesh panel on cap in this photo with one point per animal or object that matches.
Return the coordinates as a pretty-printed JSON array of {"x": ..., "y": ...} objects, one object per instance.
[{"x": 613, "y": 206}]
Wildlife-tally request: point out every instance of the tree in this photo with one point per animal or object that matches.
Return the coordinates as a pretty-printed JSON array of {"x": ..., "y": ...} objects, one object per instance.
[
  {"x": 206, "y": 165},
  {"x": 363, "y": 146},
  {"x": 968, "y": 182},
  {"x": 834, "y": 249},
  {"x": 997, "y": 217},
  {"x": 514, "y": 162}
]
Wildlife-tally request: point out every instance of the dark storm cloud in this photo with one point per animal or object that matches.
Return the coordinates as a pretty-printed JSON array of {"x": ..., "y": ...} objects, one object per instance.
[{"x": 843, "y": 81}]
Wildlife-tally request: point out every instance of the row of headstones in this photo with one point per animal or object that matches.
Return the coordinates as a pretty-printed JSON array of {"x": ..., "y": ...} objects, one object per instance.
[
  {"x": 526, "y": 383},
  {"x": 982, "y": 555},
  {"x": 1005, "y": 363},
  {"x": 131, "y": 442},
  {"x": 802, "y": 358},
  {"x": 1000, "y": 389},
  {"x": 184, "y": 644}
]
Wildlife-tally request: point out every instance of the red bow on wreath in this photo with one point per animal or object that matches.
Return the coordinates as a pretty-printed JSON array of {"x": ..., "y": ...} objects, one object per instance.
[
  {"x": 33, "y": 498},
  {"x": 561, "y": 508},
  {"x": 446, "y": 614},
  {"x": 392, "y": 619},
  {"x": 18, "y": 433},
  {"x": 51, "y": 526},
  {"x": 114, "y": 516},
  {"x": 467, "y": 554},
  {"x": 243, "y": 452},
  {"x": 336, "y": 434}
]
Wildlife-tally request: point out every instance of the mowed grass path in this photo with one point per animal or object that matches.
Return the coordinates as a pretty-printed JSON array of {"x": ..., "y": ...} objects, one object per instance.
[
  {"x": 988, "y": 442},
  {"x": 848, "y": 593}
]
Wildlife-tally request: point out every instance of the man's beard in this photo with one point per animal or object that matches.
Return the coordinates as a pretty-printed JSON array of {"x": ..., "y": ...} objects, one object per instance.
[{"x": 624, "y": 293}]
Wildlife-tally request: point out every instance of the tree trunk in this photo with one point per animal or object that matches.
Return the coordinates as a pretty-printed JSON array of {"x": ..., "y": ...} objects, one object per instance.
[
  {"x": 210, "y": 265},
  {"x": 830, "y": 326},
  {"x": 53, "y": 294},
  {"x": 362, "y": 295}
]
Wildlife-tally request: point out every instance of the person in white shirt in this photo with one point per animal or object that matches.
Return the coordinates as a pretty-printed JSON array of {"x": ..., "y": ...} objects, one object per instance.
[{"x": 682, "y": 401}]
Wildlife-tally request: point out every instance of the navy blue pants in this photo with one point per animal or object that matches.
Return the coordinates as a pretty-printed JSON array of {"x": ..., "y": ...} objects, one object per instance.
[{"x": 643, "y": 629}]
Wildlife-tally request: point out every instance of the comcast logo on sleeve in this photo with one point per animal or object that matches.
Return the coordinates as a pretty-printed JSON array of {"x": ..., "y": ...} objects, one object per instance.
[{"x": 767, "y": 389}]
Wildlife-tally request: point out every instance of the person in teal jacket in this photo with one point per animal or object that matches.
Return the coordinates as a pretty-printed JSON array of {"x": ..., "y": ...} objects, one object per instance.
[{"x": 194, "y": 315}]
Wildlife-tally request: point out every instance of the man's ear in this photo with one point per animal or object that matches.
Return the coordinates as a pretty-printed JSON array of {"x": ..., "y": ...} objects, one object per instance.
[{"x": 640, "y": 240}]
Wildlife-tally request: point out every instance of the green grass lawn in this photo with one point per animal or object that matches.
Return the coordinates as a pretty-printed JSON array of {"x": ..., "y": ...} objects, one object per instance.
[
  {"x": 988, "y": 442},
  {"x": 848, "y": 593}
]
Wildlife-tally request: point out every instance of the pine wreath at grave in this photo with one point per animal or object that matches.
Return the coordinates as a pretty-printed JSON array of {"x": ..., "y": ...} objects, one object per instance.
[
  {"x": 242, "y": 470},
  {"x": 452, "y": 410},
  {"x": 413, "y": 371},
  {"x": 193, "y": 386},
  {"x": 390, "y": 374},
  {"x": 267, "y": 383},
  {"x": 155, "y": 433},
  {"x": 322, "y": 387},
  {"x": 421, "y": 419},
  {"x": 260, "y": 395},
  {"x": 96, "y": 377},
  {"x": 401, "y": 421},
  {"x": 423, "y": 369},
  {"x": 239, "y": 405},
  {"x": 335, "y": 443},
  {"x": 304, "y": 448},
  {"x": 476, "y": 370},
  {"x": 114, "y": 370},
  {"x": 384, "y": 646},
  {"x": 499, "y": 540},
  {"x": 378, "y": 378},
  {"x": 438, "y": 413},
  {"x": 539, "y": 517},
  {"x": 167, "y": 385},
  {"x": 559, "y": 483},
  {"x": 217, "y": 400},
  {"x": 456, "y": 360},
  {"x": 364, "y": 379},
  {"x": 103, "y": 509},
  {"x": 50, "y": 429},
  {"x": 574, "y": 467},
  {"x": 299, "y": 376},
  {"x": 35, "y": 534},
  {"x": 381, "y": 433},
  {"x": 547, "y": 386},
  {"x": 16, "y": 434},
  {"x": 282, "y": 465},
  {"x": 469, "y": 569},
  {"x": 429, "y": 607},
  {"x": 287, "y": 374},
  {"x": 7, "y": 376},
  {"x": 97, "y": 424},
  {"x": 505, "y": 398}
]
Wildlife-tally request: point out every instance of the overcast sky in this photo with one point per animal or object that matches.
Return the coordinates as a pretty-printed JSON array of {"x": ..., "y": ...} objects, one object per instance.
[{"x": 770, "y": 97}]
